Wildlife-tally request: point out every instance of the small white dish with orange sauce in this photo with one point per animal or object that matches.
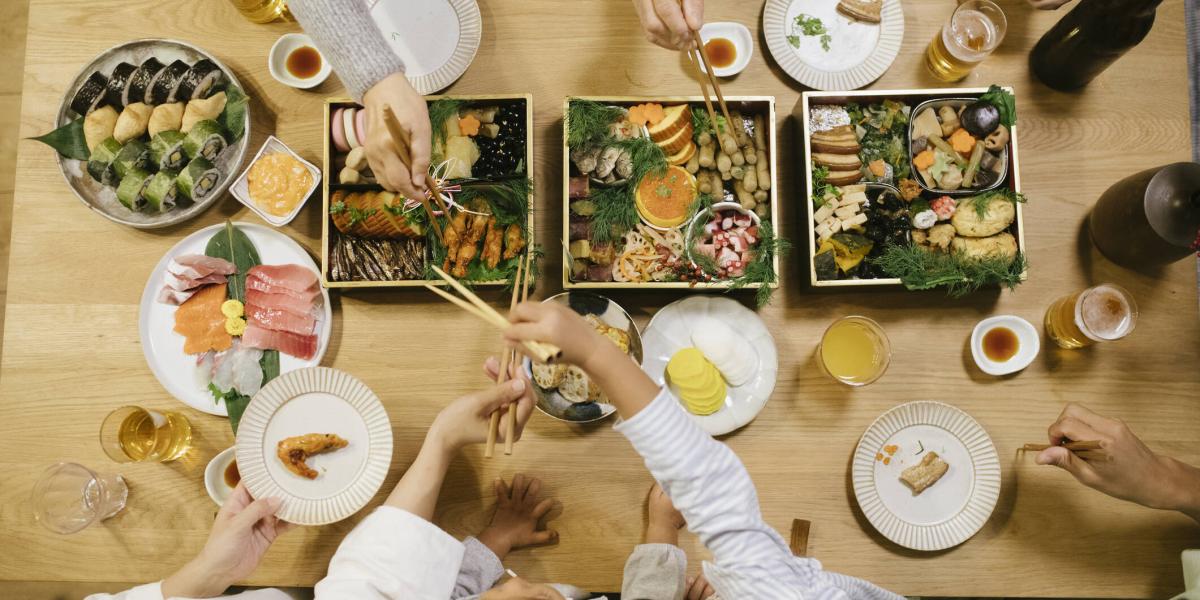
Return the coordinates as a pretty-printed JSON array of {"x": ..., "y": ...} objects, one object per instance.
[
  {"x": 1004, "y": 344},
  {"x": 278, "y": 193},
  {"x": 728, "y": 46}
]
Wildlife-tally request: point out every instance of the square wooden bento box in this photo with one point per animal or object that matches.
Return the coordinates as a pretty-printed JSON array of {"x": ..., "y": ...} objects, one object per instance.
[
  {"x": 764, "y": 105},
  {"x": 328, "y": 184},
  {"x": 912, "y": 98}
]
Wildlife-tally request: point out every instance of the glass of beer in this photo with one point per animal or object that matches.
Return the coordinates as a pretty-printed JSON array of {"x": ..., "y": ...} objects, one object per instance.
[
  {"x": 135, "y": 434},
  {"x": 1103, "y": 313},
  {"x": 263, "y": 11},
  {"x": 974, "y": 30},
  {"x": 854, "y": 351},
  {"x": 69, "y": 497}
]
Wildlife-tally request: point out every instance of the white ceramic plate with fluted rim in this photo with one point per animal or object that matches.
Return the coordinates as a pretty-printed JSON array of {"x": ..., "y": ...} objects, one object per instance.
[
  {"x": 316, "y": 400},
  {"x": 436, "y": 39},
  {"x": 163, "y": 348},
  {"x": 671, "y": 331},
  {"x": 858, "y": 54},
  {"x": 950, "y": 511}
]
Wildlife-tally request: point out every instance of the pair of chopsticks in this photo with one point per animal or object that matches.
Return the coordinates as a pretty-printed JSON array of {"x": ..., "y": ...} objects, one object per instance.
[
  {"x": 1087, "y": 449},
  {"x": 711, "y": 76},
  {"x": 404, "y": 149},
  {"x": 521, "y": 285}
]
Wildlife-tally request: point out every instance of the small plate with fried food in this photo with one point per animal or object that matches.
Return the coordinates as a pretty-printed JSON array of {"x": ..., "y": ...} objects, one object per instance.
[
  {"x": 926, "y": 475},
  {"x": 320, "y": 440}
]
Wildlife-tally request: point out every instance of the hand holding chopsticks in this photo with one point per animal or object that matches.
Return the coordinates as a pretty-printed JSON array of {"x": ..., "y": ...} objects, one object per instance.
[{"x": 403, "y": 146}]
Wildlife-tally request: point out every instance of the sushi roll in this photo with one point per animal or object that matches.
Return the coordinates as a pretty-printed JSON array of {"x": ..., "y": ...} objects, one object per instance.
[
  {"x": 167, "y": 152},
  {"x": 90, "y": 95},
  {"x": 133, "y": 155},
  {"x": 159, "y": 192},
  {"x": 162, "y": 89},
  {"x": 197, "y": 180},
  {"x": 205, "y": 139},
  {"x": 139, "y": 82},
  {"x": 204, "y": 78},
  {"x": 100, "y": 165},
  {"x": 114, "y": 95},
  {"x": 130, "y": 192}
]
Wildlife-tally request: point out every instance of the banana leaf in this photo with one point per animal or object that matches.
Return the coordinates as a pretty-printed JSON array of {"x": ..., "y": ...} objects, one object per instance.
[
  {"x": 233, "y": 118},
  {"x": 67, "y": 140}
]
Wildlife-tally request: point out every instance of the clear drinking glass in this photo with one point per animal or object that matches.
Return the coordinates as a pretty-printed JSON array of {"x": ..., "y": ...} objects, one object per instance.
[
  {"x": 854, "y": 351},
  {"x": 1102, "y": 313},
  {"x": 973, "y": 32},
  {"x": 69, "y": 497},
  {"x": 135, "y": 434}
]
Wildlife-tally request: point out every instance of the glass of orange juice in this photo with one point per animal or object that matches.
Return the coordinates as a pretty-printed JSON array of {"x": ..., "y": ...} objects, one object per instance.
[{"x": 854, "y": 351}]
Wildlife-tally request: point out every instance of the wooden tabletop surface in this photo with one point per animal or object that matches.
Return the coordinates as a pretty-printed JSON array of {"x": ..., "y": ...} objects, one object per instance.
[{"x": 71, "y": 351}]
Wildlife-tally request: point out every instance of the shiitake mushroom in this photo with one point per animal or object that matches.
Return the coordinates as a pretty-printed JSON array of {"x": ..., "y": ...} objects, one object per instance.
[{"x": 980, "y": 118}]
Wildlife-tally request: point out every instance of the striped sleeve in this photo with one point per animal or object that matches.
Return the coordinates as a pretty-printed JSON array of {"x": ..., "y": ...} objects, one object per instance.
[{"x": 708, "y": 484}]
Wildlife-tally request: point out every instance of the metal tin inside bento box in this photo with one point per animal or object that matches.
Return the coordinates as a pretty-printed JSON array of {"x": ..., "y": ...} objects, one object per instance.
[
  {"x": 483, "y": 151},
  {"x": 1006, "y": 172},
  {"x": 647, "y": 248}
]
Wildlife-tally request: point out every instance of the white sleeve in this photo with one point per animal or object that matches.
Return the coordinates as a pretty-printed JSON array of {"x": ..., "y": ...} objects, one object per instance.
[
  {"x": 150, "y": 591},
  {"x": 393, "y": 554}
]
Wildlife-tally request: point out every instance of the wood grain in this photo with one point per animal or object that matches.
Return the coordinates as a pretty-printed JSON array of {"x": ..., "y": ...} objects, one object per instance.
[{"x": 71, "y": 351}]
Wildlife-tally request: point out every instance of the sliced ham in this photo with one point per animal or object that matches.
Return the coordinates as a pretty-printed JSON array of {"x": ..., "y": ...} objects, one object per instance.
[
  {"x": 281, "y": 320},
  {"x": 195, "y": 266},
  {"x": 303, "y": 347},
  {"x": 282, "y": 302},
  {"x": 292, "y": 277}
]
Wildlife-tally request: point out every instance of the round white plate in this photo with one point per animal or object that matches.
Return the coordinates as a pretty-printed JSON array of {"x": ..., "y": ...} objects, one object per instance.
[
  {"x": 316, "y": 400},
  {"x": 858, "y": 52},
  {"x": 436, "y": 39},
  {"x": 950, "y": 511},
  {"x": 163, "y": 347},
  {"x": 671, "y": 331}
]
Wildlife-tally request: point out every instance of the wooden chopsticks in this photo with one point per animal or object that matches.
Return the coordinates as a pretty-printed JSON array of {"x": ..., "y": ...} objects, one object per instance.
[
  {"x": 506, "y": 360},
  {"x": 1087, "y": 449},
  {"x": 708, "y": 73},
  {"x": 404, "y": 148},
  {"x": 510, "y": 421}
]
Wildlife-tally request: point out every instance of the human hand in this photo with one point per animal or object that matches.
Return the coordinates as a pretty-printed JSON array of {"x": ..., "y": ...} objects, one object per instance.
[
  {"x": 670, "y": 23},
  {"x": 465, "y": 421},
  {"x": 242, "y": 532},
  {"x": 519, "y": 512},
  {"x": 1047, "y": 4},
  {"x": 519, "y": 589},
  {"x": 556, "y": 324},
  {"x": 410, "y": 110},
  {"x": 698, "y": 588},
  {"x": 1131, "y": 471}
]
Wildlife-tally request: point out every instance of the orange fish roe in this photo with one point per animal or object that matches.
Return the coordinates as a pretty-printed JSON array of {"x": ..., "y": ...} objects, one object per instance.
[
  {"x": 891, "y": 450},
  {"x": 887, "y": 460}
]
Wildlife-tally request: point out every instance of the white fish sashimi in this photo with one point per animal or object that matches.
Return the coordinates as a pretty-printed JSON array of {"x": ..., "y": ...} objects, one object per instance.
[{"x": 238, "y": 368}]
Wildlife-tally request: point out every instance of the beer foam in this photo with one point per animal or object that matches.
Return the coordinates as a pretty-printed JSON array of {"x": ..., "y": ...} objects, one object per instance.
[{"x": 1103, "y": 313}]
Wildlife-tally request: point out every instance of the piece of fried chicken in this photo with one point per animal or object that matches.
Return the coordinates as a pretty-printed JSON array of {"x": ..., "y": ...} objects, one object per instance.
[{"x": 294, "y": 451}]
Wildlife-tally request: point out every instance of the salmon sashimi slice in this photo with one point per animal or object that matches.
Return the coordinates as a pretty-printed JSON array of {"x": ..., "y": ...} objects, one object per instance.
[
  {"x": 303, "y": 347},
  {"x": 284, "y": 302},
  {"x": 281, "y": 320},
  {"x": 200, "y": 322},
  {"x": 292, "y": 277}
]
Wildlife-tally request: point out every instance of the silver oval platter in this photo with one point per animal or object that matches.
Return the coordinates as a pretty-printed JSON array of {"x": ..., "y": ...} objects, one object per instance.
[{"x": 103, "y": 199}]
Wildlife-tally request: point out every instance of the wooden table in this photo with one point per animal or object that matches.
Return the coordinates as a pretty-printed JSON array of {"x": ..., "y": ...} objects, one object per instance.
[{"x": 71, "y": 351}]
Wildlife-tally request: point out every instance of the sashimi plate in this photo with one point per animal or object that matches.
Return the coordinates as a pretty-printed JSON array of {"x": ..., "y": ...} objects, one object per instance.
[
  {"x": 436, "y": 39},
  {"x": 671, "y": 331},
  {"x": 946, "y": 513},
  {"x": 316, "y": 400},
  {"x": 163, "y": 347}
]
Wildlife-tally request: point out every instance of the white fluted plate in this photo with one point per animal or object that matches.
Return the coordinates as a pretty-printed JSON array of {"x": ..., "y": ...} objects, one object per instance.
[
  {"x": 316, "y": 400},
  {"x": 671, "y": 331},
  {"x": 436, "y": 39},
  {"x": 950, "y": 511},
  {"x": 858, "y": 53}
]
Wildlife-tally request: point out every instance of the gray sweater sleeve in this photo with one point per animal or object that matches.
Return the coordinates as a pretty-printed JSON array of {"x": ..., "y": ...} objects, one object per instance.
[
  {"x": 350, "y": 40},
  {"x": 479, "y": 571}
]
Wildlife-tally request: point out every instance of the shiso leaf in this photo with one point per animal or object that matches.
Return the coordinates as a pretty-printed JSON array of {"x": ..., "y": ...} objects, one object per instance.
[
  {"x": 67, "y": 140},
  {"x": 233, "y": 118}
]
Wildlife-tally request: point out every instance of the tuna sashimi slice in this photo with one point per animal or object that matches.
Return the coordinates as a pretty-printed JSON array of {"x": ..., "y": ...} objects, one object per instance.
[
  {"x": 281, "y": 320},
  {"x": 256, "y": 298},
  {"x": 292, "y": 277},
  {"x": 309, "y": 295},
  {"x": 303, "y": 347},
  {"x": 200, "y": 322},
  {"x": 195, "y": 266}
]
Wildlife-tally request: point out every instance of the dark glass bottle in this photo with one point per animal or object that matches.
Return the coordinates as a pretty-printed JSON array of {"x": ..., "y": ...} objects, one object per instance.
[{"x": 1089, "y": 39}]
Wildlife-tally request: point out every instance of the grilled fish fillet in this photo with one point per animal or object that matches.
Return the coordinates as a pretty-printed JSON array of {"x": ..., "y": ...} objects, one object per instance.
[{"x": 925, "y": 473}]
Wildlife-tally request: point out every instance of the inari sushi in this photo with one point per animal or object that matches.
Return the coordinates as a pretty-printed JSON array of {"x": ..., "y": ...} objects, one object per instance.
[
  {"x": 139, "y": 82},
  {"x": 132, "y": 122},
  {"x": 166, "y": 151},
  {"x": 166, "y": 82},
  {"x": 166, "y": 117},
  {"x": 197, "y": 179},
  {"x": 90, "y": 94},
  {"x": 204, "y": 78},
  {"x": 159, "y": 192},
  {"x": 205, "y": 139},
  {"x": 133, "y": 186},
  {"x": 134, "y": 155},
  {"x": 100, "y": 165},
  {"x": 114, "y": 95}
]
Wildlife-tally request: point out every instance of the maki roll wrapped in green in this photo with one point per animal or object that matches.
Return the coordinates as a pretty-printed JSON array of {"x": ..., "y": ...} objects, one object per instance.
[
  {"x": 133, "y": 155},
  {"x": 159, "y": 192},
  {"x": 205, "y": 139},
  {"x": 132, "y": 189},
  {"x": 166, "y": 151},
  {"x": 197, "y": 179},
  {"x": 100, "y": 165}
]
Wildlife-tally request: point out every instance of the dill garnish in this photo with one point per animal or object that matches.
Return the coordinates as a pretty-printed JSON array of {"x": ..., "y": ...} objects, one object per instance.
[
  {"x": 588, "y": 122},
  {"x": 981, "y": 202},
  {"x": 441, "y": 111},
  {"x": 921, "y": 269}
]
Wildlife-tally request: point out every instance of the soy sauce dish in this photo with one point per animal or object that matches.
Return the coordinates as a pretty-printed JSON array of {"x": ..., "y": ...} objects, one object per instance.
[
  {"x": 729, "y": 47},
  {"x": 295, "y": 61},
  {"x": 1004, "y": 344},
  {"x": 218, "y": 476}
]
